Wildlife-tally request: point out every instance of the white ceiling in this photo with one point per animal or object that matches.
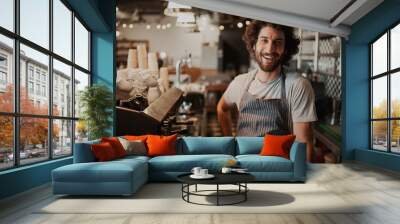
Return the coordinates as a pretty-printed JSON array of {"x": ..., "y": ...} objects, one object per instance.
[
  {"x": 315, "y": 15},
  {"x": 321, "y": 9}
]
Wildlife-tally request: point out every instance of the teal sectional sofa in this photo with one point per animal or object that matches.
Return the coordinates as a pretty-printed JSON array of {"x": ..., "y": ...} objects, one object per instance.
[{"x": 125, "y": 176}]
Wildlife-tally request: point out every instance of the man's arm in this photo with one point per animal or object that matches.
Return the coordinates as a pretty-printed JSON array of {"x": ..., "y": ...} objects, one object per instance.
[
  {"x": 224, "y": 116},
  {"x": 304, "y": 133}
]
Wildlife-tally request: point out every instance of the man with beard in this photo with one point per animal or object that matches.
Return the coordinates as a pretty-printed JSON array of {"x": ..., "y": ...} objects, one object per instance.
[{"x": 268, "y": 99}]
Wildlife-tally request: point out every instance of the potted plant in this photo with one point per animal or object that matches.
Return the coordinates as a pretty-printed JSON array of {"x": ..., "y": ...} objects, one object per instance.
[{"x": 96, "y": 102}]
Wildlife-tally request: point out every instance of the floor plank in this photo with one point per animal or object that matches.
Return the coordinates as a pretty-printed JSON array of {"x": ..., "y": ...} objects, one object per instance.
[{"x": 376, "y": 190}]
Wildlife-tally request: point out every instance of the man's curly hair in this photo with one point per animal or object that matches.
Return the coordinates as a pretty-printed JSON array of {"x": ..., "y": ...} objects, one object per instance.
[{"x": 250, "y": 37}]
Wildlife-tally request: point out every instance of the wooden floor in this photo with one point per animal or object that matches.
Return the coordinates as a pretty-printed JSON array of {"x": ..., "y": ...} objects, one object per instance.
[{"x": 379, "y": 190}]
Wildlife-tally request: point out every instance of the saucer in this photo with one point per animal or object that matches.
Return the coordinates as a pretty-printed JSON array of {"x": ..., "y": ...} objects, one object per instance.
[{"x": 208, "y": 176}]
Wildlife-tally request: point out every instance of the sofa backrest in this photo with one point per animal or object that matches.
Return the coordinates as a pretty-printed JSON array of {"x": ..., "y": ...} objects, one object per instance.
[
  {"x": 83, "y": 152},
  {"x": 249, "y": 145},
  {"x": 206, "y": 145},
  {"x": 190, "y": 146}
]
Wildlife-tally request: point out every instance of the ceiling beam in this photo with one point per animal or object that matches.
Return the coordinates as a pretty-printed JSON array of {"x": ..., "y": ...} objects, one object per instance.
[
  {"x": 270, "y": 15},
  {"x": 346, "y": 12}
]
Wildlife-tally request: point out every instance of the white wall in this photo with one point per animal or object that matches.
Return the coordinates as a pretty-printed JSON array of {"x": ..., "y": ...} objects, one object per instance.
[{"x": 175, "y": 41}]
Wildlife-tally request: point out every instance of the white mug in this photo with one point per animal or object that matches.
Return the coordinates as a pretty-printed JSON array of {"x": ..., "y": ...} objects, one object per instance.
[
  {"x": 196, "y": 171},
  {"x": 203, "y": 172},
  {"x": 226, "y": 170}
]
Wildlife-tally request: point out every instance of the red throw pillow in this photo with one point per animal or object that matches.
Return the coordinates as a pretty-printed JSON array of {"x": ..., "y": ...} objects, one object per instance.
[
  {"x": 116, "y": 145},
  {"x": 136, "y": 137},
  {"x": 277, "y": 145},
  {"x": 161, "y": 145},
  {"x": 103, "y": 151}
]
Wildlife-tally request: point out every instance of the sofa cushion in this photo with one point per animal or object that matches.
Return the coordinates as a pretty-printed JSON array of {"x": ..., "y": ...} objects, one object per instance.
[
  {"x": 136, "y": 137},
  {"x": 133, "y": 158},
  {"x": 134, "y": 147},
  {"x": 277, "y": 145},
  {"x": 257, "y": 163},
  {"x": 249, "y": 145},
  {"x": 103, "y": 152},
  {"x": 112, "y": 171},
  {"x": 185, "y": 163},
  {"x": 206, "y": 145},
  {"x": 159, "y": 145},
  {"x": 116, "y": 145}
]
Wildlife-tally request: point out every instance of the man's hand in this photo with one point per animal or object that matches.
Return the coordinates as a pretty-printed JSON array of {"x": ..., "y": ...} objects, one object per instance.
[
  {"x": 304, "y": 133},
  {"x": 224, "y": 117}
]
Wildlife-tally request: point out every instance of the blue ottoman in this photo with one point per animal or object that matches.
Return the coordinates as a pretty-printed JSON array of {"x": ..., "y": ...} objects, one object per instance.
[{"x": 119, "y": 177}]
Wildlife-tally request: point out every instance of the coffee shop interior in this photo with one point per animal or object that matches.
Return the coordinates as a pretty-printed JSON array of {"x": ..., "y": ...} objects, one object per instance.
[{"x": 172, "y": 71}]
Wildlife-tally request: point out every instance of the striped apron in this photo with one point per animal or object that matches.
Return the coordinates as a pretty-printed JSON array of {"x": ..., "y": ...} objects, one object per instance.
[{"x": 258, "y": 117}]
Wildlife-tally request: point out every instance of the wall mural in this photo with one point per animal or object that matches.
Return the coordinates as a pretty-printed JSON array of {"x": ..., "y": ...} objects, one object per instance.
[{"x": 172, "y": 76}]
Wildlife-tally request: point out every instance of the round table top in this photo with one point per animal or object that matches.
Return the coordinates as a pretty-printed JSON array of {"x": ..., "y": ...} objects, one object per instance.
[{"x": 220, "y": 178}]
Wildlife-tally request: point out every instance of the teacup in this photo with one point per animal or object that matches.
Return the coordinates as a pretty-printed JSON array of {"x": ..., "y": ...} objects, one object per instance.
[
  {"x": 196, "y": 170},
  {"x": 203, "y": 172}
]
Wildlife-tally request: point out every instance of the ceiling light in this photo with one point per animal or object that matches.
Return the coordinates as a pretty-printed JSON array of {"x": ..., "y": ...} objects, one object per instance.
[
  {"x": 158, "y": 26},
  {"x": 174, "y": 8},
  {"x": 186, "y": 19},
  {"x": 168, "y": 25},
  {"x": 118, "y": 33},
  {"x": 148, "y": 27},
  {"x": 239, "y": 25},
  {"x": 247, "y": 22},
  {"x": 124, "y": 25},
  {"x": 221, "y": 27},
  {"x": 116, "y": 9},
  {"x": 131, "y": 26},
  {"x": 163, "y": 27}
]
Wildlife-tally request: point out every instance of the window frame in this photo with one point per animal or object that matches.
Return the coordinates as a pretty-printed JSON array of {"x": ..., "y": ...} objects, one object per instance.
[
  {"x": 16, "y": 114},
  {"x": 388, "y": 74}
]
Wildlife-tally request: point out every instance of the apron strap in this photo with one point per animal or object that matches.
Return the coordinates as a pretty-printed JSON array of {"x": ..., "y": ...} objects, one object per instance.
[{"x": 284, "y": 102}]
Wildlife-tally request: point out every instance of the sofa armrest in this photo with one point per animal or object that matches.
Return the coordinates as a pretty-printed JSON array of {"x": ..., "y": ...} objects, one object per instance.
[
  {"x": 298, "y": 157},
  {"x": 83, "y": 152}
]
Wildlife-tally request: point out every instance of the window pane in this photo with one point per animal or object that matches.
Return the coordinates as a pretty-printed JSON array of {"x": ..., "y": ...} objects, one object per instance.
[
  {"x": 6, "y": 74},
  {"x": 379, "y": 55},
  {"x": 33, "y": 139},
  {"x": 62, "y": 89},
  {"x": 35, "y": 21},
  {"x": 379, "y": 97},
  {"x": 379, "y": 135},
  {"x": 81, "y": 45},
  {"x": 62, "y": 138},
  {"x": 395, "y": 136},
  {"x": 395, "y": 94},
  {"x": 62, "y": 29},
  {"x": 7, "y": 14},
  {"x": 34, "y": 82},
  {"x": 81, "y": 131},
  {"x": 395, "y": 47},
  {"x": 81, "y": 81},
  {"x": 6, "y": 142}
]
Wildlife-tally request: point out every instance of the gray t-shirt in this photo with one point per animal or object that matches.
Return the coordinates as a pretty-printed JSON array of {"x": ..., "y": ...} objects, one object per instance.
[{"x": 299, "y": 94}]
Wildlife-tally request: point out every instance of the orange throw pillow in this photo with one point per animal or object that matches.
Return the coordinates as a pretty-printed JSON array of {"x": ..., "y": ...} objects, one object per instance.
[
  {"x": 277, "y": 145},
  {"x": 161, "y": 145},
  {"x": 103, "y": 151},
  {"x": 116, "y": 145},
  {"x": 136, "y": 137}
]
